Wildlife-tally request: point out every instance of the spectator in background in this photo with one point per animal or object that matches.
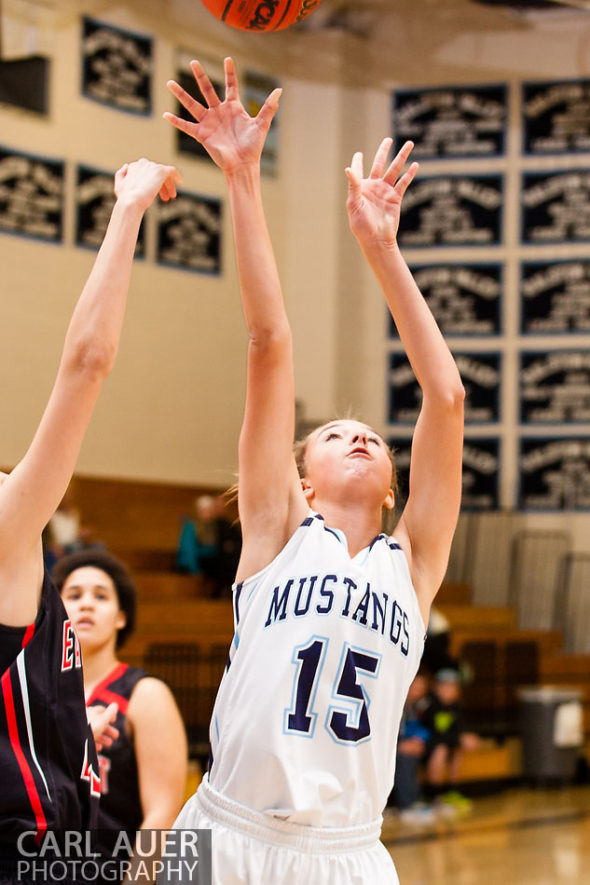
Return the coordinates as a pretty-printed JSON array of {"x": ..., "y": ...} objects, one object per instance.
[
  {"x": 226, "y": 537},
  {"x": 65, "y": 533},
  {"x": 437, "y": 654},
  {"x": 411, "y": 748},
  {"x": 143, "y": 772},
  {"x": 210, "y": 545},
  {"x": 447, "y": 741},
  {"x": 192, "y": 548}
]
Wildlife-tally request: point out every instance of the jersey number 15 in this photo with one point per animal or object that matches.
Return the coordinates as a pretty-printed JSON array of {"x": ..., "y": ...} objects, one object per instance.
[{"x": 347, "y": 717}]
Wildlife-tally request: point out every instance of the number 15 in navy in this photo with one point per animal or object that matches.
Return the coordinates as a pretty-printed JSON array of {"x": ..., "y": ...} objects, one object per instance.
[{"x": 346, "y": 717}]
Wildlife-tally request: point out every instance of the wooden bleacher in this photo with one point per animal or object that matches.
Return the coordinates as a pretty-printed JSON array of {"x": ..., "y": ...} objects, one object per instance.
[
  {"x": 138, "y": 521},
  {"x": 205, "y": 622}
]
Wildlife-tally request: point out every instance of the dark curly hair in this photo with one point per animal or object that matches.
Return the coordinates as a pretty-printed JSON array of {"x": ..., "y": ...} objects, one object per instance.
[{"x": 97, "y": 557}]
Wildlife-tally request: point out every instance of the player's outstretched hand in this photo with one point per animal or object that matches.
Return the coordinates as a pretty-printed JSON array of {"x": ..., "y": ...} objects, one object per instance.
[
  {"x": 374, "y": 203},
  {"x": 100, "y": 720},
  {"x": 228, "y": 133},
  {"x": 140, "y": 182}
]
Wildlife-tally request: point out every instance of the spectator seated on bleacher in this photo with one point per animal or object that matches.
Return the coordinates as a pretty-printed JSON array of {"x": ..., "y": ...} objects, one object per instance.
[
  {"x": 413, "y": 740},
  {"x": 437, "y": 655},
  {"x": 65, "y": 533},
  {"x": 447, "y": 741},
  {"x": 210, "y": 545}
]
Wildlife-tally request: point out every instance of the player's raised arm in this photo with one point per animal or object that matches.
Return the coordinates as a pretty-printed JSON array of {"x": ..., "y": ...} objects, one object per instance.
[
  {"x": 429, "y": 518},
  {"x": 270, "y": 499},
  {"x": 32, "y": 491}
]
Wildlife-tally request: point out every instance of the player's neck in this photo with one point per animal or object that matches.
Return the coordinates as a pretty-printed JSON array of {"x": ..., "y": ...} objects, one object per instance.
[
  {"x": 97, "y": 665},
  {"x": 359, "y": 524}
]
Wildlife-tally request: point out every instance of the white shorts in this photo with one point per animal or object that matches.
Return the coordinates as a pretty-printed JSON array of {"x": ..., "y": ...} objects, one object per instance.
[{"x": 252, "y": 848}]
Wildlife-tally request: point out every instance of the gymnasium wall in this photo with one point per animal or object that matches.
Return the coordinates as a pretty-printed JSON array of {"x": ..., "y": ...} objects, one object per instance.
[{"x": 171, "y": 411}]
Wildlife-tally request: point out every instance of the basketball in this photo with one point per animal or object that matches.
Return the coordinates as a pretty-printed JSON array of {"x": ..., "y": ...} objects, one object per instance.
[{"x": 261, "y": 16}]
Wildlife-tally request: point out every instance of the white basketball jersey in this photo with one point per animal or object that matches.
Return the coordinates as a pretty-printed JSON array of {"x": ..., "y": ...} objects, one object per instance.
[{"x": 307, "y": 715}]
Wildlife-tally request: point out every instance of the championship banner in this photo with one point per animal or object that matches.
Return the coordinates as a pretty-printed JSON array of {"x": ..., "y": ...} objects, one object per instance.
[
  {"x": 554, "y": 474},
  {"x": 116, "y": 67},
  {"x": 454, "y": 121},
  {"x": 465, "y": 299},
  {"x": 453, "y": 210},
  {"x": 555, "y": 387},
  {"x": 481, "y": 376},
  {"x": 556, "y": 117},
  {"x": 481, "y": 467},
  {"x": 31, "y": 195},
  {"x": 555, "y": 296},
  {"x": 95, "y": 198},
  {"x": 189, "y": 233},
  {"x": 556, "y": 206}
]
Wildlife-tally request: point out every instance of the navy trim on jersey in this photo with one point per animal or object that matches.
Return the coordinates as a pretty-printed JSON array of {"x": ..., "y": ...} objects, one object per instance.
[
  {"x": 308, "y": 521},
  {"x": 333, "y": 532},
  {"x": 236, "y": 601}
]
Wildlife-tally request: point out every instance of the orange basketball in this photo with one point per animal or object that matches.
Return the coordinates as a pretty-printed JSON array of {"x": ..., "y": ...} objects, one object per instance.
[{"x": 261, "y": 16}]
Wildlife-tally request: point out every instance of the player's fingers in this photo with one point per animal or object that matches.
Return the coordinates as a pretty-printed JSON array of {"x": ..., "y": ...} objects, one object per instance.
[
  {"x": 120, "y": 175},
  {"x": 184, "y": 125},
  {"x": 354, "y": 173},
  {"x": 205, "y": 84},
  {"x": 191, "y": 104},
  {"x": 354, "y": 189},
  {"x": 352, "y": 178},
  {"x": 397, "y": 164},
  {"x": 172, "y": 173},
  {"x": 356, "y": 166},
  {"x": 173, "y": 178},
  {"x": 270, "y": 107},
  {"x": 232, "y": 89},
  {"x": 168, "y": 190},
  {"x": 111, "y": 711},
  {"x": 381, "y": 158},
  {"x": 406, "y": 179},
  {"x": 106, "y": 739}
]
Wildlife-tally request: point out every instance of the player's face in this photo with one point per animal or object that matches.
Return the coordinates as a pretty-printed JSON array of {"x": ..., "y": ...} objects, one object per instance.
[
  {"x": 349, "y": 450},
  {"x": 92, "y": 605}
]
